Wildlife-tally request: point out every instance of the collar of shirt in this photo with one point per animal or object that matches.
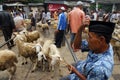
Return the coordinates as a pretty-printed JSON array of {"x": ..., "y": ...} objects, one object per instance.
[{"x": 96, "y": 56}]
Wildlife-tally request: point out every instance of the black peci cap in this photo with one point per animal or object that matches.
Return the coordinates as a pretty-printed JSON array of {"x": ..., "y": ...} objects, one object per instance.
[{"x": 101, "y": 27}]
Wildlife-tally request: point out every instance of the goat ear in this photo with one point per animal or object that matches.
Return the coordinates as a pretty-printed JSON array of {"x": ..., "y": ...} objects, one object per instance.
[
  {"x": 41, "y": 47},
  {"x": 15, "y": 33},
  {"x": 33, "y": 47},
  {"x": 61, "y": 59},
  {"x": 49, "y": 49},
  {"x": 44, "y": 57}
]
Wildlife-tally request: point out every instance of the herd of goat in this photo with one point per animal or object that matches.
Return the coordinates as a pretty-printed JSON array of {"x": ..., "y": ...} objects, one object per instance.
[{"x": 31, "y": 46}]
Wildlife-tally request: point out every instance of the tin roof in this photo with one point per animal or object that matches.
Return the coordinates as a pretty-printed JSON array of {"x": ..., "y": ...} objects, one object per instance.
[
  {"x": 15, "y": 0},
  {"x": 35, "y": 4},
  {"x": 15, "y": 4},
  {"x": 108, "y": 1},
  {"x": 66, "y": 2}
]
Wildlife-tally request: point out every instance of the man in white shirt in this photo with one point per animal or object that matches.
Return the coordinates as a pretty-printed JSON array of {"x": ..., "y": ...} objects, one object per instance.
[
  {"x": 43, "y": 17},
  {"x": 19, "y": 22},
  {"x": 114, "y": 17},
  {"x": 48, "y": 17},
  {"x": 94, "y": 16}
]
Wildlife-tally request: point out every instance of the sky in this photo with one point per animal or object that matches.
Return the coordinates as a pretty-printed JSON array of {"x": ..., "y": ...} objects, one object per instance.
[{"x": 93, "y": 0}]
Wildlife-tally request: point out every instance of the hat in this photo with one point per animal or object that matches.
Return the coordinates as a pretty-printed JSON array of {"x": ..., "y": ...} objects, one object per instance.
[
  {"x": 101, "y": 27},
  {"x": 79, "y": 3},
  {"x": 62, "y": 8}
]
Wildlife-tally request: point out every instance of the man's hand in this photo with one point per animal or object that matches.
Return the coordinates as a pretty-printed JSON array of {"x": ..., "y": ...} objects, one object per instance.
[
  {"x": 75, "y": 49},
  {"x": 87, "y": 21},
  {"x": 14, "y": 30},
  {"x": 71, "y": 68},
  {"x": 56, "y": 31}
]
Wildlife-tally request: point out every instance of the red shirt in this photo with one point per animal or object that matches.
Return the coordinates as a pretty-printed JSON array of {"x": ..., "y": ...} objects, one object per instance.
[{"x": 76, "y": 18}]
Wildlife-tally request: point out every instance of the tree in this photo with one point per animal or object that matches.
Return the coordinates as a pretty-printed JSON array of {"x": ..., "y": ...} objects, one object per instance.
[{"x": 1, "y": 1}]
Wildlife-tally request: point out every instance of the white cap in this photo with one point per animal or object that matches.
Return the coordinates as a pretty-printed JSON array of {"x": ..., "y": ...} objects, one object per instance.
[
  {"x": 62, "y": 8},
  {"x": 79, "y": 3}
]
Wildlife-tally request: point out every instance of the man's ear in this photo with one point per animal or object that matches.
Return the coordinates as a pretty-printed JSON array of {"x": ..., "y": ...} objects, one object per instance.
[{"x": 102, "y": 38}]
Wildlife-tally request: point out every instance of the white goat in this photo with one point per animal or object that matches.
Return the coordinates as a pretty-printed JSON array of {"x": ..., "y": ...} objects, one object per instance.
[
  {"x": 44, "y": 26},
  {"x": 42, "y": 59},
  {"x": 44, "y": 53},
  {"x": 54, "y": 56},
  {"x": 8, "y": 62},
  {"x": 46, "y": 45},
  {"x": 28, "y": 50},
  {"x": 18, "y": 37}
]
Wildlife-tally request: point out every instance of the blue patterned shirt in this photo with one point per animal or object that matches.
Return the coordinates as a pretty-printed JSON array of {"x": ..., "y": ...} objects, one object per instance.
[{"x": 96, "y": 66}]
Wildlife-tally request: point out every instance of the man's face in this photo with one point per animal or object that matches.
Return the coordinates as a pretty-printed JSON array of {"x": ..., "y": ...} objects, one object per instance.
[
  {"x": 59, "y": 10},
  {"x": 94, "y": 42}
]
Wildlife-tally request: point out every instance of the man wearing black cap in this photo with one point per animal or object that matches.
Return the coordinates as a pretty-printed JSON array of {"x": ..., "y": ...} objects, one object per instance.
[
  {"x": 7, "y": 25},
  {"x": 99, "y": 62}
]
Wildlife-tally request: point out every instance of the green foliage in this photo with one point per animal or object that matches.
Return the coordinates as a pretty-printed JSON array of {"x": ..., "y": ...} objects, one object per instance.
[
  {"x": 93, "y": 6},
  {"x": 107, "y": 7}
]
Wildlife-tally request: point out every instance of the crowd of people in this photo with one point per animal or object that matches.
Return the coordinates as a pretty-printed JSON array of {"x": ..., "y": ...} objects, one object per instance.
[{"x": 99, "y": 63}]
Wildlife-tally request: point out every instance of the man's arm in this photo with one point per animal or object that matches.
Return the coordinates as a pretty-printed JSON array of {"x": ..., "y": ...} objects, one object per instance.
[
  {"x": 59, "y": 21},
  {"x": 78, "y": 37}
]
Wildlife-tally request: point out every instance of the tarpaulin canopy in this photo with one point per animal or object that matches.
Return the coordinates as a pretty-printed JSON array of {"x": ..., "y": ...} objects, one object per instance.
[{"x": 15, "y": 4}]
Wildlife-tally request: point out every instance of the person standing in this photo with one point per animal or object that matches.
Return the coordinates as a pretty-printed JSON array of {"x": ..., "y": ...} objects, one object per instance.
[
  {"x": 48, "y": 17},
  {"x": 55, "y": 15},
  {"x": 114, "y": 17},
  {"x": 19, "y": 22},
  {"x": 33, "y": 22},
  {"x": 100, "y": 60},
  {"x": 62, "y": 23},
  {"x": 94, "y": 15},
  {"x": 43, "y": 17},
  {"x": 76, "y": 18},
  {"x": 37, "y": 16},
  {"x": 7, "y": 25}
]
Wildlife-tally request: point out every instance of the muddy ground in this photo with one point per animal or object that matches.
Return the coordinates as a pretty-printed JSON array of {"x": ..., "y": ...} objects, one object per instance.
[{"x": 23, "y": 71}]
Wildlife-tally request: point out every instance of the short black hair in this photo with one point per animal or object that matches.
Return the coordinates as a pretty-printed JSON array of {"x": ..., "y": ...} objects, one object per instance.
[
  {"x": 106, "y": 36},
  {"x": 5, "y": 7},
  {"x": 17, "y": 13}
]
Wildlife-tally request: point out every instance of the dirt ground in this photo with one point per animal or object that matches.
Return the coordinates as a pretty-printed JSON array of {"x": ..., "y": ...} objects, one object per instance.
[{"x": 23, "y": 71}]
